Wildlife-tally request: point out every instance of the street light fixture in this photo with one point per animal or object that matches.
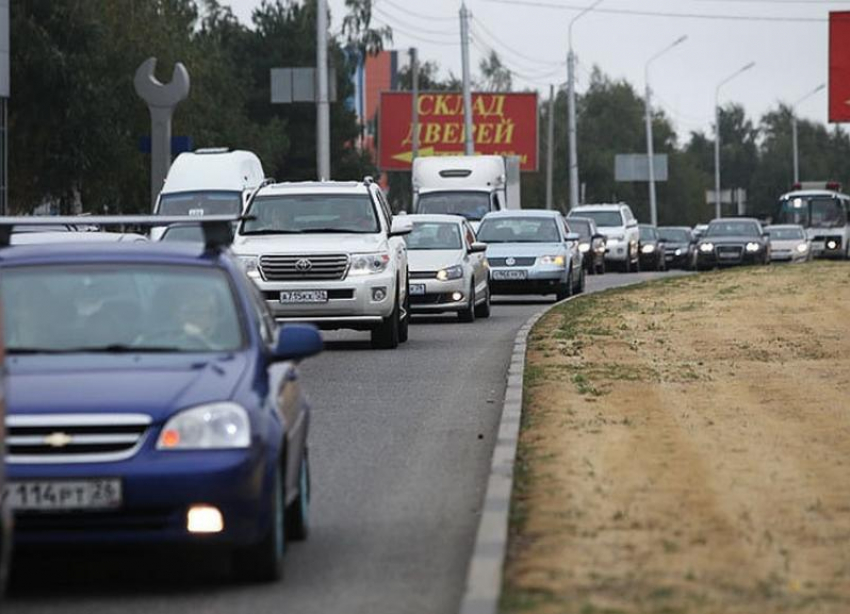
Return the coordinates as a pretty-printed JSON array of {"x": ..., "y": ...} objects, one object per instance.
[
  {"x": 794, "y": 129},
  {"x": 653, "y": 207},
  {"x": 717, "y": 198},
  {"x": 571, "y": 100}
]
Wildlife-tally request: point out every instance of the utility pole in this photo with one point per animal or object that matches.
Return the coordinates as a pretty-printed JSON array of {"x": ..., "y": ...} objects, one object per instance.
[
  {"x": 323, "y": 122},
  {"x": 571, "y": 103},
  {"x": 717, "y": 196},
  {"x": 414, "y": 74},
  {"x": 550, "y": 147},
  {"x": 653, "y": 206},
  {"x": 794, "y": 130},
  {"x": 468, "y": 142}
]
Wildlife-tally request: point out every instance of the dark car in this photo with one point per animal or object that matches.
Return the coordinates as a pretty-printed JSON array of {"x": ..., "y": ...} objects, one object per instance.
[
  {"x": 152, "y": 401},
  {"x": 591, "y": 243},
  {"x": 679, "y": 246},
  {"x": 652, "y": 256},
  {"x": 733, "y": 241}
]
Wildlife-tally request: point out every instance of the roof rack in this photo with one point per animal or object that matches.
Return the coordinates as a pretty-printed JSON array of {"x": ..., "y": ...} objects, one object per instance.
[{"x": 217, "y": 229}]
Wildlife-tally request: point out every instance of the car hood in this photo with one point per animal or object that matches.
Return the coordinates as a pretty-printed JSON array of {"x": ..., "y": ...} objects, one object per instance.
[
  {"x": 720, "y": 240},
  {"x": 503, "y": 250},
  {"x": 151, "y": 384},
  {"x": 433, "y": 259},
  {"x": 786, "y": 244},
  {"x": 309, "y": 244},
  {"x": 611, "y": 231},
  {"x": 668, "y": 245}
]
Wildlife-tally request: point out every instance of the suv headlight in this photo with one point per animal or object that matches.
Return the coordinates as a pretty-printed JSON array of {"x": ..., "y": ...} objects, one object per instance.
[
  {"x": 752, "y": 246},
  {"x": 647, "y": 249},
  {"x": 368, "y": 264},
  {"x": 207, "y": 427},
  {"x": 251, "y": 265},
  {"x": 452, "y": 272},
  {"x": 706, "y": 247},
  {"x": 553, "y": 260}
]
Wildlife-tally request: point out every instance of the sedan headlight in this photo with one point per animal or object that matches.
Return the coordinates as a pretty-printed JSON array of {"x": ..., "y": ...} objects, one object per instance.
[
  {"x": 553, "y": 260},
  {"x": 678, "y": 252},
  {"x": 251, "y": 265},
  {"x": 752, "y": 247},
  {"x": 802, "y": 248},
  {"x": 452, "y": 272},
  {"x": 584, "y": 248},
  {"x": 207, "y": 427},
  {"x": 369, "y": 264},
  {"x": 706, "y": 247},
  {"x": 647, "y": 249}
]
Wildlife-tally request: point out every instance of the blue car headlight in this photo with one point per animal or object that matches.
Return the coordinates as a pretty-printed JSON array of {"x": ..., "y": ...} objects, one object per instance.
[{"x": 207, "y": 427}]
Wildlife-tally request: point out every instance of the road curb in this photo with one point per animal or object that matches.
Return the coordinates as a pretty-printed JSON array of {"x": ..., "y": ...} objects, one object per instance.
[{"x": 484, "y": 575}]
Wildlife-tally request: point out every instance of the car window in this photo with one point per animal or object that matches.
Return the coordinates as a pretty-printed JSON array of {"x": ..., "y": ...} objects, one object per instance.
[
  {"x": 434, "y": 235},
  {"x": 604, "y": 218},
  {"x": 519, "y": 230},
  {"x": 733, "y": 229},
  {"x": 471, "y": 205},
  {"x": 200, "y": 203}
]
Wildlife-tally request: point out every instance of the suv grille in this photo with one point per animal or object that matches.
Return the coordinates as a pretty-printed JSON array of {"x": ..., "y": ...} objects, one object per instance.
[
  {"x": 72, "y": 438},
  {"x": 303, "y": 268}
]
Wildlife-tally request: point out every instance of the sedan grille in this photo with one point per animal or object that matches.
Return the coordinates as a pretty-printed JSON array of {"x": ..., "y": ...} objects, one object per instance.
[
  {"x": 423, "y": 274},
  {"x": 304, "y": 268},
  {"x": 68, "y": 438},
  {"x": 525, "y": 261}
]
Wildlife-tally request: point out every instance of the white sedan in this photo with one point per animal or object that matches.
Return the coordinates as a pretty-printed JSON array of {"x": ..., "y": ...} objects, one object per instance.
[
  {"x": 789, "y": 243},
  {"x": 448, "y": 267}
]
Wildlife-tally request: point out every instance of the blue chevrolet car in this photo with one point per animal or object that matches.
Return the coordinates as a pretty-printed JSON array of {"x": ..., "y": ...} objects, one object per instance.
[{"x": 152, "y": 400}]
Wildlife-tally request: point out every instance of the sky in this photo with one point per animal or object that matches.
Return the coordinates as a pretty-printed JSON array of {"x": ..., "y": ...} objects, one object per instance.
[{"x": 787, "y": 40}]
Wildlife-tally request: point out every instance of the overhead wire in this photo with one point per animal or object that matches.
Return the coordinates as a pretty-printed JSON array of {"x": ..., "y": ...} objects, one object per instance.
[
  {"x": 476, "y": 22},
  {"x": 385, "y": 15},
  {"x": 417, "y": 37},
  {"x": 414, "y": 13}
]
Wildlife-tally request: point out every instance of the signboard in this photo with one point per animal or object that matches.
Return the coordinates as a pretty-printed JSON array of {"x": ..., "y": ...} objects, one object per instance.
[
  {"x": 727, "y": 197},
  {"x": 635, "y": 167},
  {"x": 503, "y": 124},
  {"x": 290, "y": 85},
  {"x": 839, "y": 67}
]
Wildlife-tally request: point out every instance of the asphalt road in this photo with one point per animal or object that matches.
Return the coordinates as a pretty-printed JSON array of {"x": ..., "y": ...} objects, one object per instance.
[{"x": 400, "y": 449}]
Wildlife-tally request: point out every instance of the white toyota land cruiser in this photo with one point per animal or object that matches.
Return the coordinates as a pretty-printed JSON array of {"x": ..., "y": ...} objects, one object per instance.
[{"x": 329, "y": 253}]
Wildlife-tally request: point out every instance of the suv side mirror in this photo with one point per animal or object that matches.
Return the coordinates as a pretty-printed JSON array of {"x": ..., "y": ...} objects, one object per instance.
[
  {"x": 297, "y": 341},
  {"x": 477, "y": 247},
  {"x": 572, "y": 236},
  {"x": 401, "y": 226}
]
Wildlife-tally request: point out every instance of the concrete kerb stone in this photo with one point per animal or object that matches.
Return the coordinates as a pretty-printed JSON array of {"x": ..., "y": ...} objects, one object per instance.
[{"x": 484, "y": 574}]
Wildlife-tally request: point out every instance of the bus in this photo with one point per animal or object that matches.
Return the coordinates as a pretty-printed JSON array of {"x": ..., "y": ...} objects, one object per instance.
[{"x": 825, "y": 214}]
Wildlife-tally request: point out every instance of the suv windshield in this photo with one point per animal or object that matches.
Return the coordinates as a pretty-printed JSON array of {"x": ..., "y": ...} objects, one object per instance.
[
  {"x": 815, "y": 212},
  {"x": 471, "y": 205},
  {"x": 118, "y": 308},
  {"x": 200, "y": 203},
  {"x": 519, "y": 230},
  {"x": 434, "y": 235},
  {"x": 312, "y": 213},
  {"x": 647, "y": 233},
  {"x": 732, "y": 229},
  {"x": 675, "y": 235},
  {"x": 786, "y": 234},
  {"x": 604, "y": 219}
]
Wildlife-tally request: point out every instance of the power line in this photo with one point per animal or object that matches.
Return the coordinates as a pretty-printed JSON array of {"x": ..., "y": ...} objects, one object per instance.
[
  {"x": 525, "y": 66},
  {"x": 414, "y": 13},
  {"x": 495, "y": 39},
  {"x": 634, "y": 12},
  {"x": 522, "y": 75},
  {"x": 411, "y": 26},
  {"x": 414, "y": 36}
]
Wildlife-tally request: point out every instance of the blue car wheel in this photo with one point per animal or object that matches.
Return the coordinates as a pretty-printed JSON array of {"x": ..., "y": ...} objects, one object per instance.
[
  {"x": 298, "y": 514},
  {"x": 263, "y": 562}
]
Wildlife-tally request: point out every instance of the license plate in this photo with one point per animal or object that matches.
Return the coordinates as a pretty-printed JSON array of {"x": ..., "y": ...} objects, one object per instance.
[
  {"x": 63, "y": 495},
  {"x": 417, "y": 289},
  {"x": 304, "y": 296},
  {"x": 728, "y": 255},
  {"x": 509, "y": 275}
]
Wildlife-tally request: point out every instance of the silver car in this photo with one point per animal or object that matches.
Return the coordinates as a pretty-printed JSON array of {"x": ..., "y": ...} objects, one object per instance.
[
  {"x": 532, "y": 252},
  {"x": 789, "y": 243},
  {"x": 448, "y": 268}
]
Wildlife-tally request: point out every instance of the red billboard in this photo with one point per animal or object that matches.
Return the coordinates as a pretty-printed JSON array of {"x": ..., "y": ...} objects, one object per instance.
[
  {"x": 839, "y": 67},
  {"x": 503, "y": 124}
]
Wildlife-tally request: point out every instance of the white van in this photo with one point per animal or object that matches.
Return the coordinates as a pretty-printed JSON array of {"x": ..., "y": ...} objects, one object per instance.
[
  {"x": 213, "y": 181},
  {"x": 470, "y": 186}
]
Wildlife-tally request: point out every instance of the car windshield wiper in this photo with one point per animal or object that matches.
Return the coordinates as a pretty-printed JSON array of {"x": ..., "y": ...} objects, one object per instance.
[
  {"x": 336, "y": 231},
  {"x": 98, "y": 349},
  {"x": 270, "y": 231}
]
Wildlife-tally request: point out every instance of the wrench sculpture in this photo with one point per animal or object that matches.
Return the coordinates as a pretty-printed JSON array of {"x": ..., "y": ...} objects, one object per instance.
[{"x": 161, "y": 98}]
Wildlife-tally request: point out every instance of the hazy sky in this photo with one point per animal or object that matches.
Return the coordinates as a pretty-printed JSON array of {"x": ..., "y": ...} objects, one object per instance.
[{"x": 787, "y": 39}]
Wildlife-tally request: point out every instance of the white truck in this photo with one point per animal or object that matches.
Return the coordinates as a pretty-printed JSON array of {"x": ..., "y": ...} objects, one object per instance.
[{"x": 471, "y": 186}]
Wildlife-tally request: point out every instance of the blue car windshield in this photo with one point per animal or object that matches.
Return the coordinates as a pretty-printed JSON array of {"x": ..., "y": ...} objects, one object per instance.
[{"x": 118, "y": 308}]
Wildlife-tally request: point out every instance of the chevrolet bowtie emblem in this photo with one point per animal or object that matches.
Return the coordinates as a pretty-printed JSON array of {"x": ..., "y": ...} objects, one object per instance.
[{"x": 58, "y": 440}]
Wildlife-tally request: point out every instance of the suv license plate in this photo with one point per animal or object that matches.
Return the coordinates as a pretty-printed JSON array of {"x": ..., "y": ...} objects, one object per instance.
[
  {"x": 63, "y": 495},
  {"x": 417, "y": 289},
  {"x": 509, "y": 275},
  {"x": 304, "y": 296}
]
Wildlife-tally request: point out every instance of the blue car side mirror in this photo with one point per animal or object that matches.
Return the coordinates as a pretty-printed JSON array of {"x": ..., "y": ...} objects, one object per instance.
[{"x": 298, "y": 341}]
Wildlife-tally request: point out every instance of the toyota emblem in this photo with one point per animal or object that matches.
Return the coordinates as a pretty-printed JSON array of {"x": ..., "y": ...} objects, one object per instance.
[
  {"x": 510, "y": 261},
  {"x": 303, "y": 265}
]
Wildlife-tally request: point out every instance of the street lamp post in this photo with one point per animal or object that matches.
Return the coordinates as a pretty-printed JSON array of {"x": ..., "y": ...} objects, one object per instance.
[
  {"x": 717, "y": 198},
  {"x": 794, "y": 130},
  {"x": 571, "y": 103},
  {"x": 653, "y": 207}
]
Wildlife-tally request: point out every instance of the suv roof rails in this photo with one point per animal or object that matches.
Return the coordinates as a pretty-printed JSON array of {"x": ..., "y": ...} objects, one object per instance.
[
  {"x": 212, "y": 150},
  {"x": 217, "y": 229}
]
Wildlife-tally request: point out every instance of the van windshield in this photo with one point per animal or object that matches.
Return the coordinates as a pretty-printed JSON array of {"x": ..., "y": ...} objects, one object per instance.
[
  {"x": 471, "y": 205},
  {"x": 219, "y": 202}
]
